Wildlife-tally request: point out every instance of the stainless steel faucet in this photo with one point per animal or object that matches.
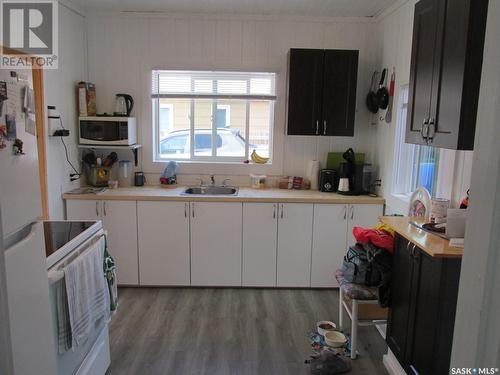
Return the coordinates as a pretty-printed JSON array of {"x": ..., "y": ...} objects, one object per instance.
[{"x": 212, "y": 179}]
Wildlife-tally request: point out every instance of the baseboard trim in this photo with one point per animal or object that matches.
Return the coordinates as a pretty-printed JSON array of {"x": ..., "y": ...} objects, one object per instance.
[{"x": 392, "y": 364}]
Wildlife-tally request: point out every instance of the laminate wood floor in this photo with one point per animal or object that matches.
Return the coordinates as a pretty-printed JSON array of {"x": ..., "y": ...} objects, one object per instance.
[{"x": 226, "y": 332}]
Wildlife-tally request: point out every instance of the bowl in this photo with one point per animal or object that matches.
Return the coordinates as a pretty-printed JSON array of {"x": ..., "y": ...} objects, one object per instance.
[
  {"x": 335, "y": 339},
  {"x": 324, "y": 326}
]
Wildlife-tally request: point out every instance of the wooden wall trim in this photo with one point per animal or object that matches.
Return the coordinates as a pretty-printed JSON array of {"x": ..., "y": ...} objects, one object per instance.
[{"x": 41, "y": 139}]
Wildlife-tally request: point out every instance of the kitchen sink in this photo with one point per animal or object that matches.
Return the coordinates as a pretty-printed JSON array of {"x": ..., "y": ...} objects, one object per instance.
[{"x": 211, "y": 190}]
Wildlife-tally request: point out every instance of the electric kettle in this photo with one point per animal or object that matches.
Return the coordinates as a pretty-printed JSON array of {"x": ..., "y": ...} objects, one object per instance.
[{"x": 123, "y": 105}]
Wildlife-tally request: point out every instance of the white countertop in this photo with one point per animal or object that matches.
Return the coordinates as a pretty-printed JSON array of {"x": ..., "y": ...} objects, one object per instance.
[{"x": 245, "y": 194}]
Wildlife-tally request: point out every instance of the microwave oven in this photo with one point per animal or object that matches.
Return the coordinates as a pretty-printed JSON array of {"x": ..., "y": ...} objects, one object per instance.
[{"x": 107, "y": 131}]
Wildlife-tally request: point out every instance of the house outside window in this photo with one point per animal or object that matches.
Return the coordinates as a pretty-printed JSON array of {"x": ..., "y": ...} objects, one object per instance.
[{"x": 212, "y": 116}]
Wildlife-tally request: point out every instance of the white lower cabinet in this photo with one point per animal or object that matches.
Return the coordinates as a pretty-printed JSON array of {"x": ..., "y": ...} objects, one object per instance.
[
  {"x": 119, "y": 218},
  {"x": 260, "y": 236},
  {"x": 216, "y": 237},
  {"x": 163, "y": 237},
  {"x": 294, "y": 245},
  {"x": 83, "y": 210},
  {"x": 226, "y": 244},
  {"x": 329, "y": 243},
  {"x": 362, "y": 215}
]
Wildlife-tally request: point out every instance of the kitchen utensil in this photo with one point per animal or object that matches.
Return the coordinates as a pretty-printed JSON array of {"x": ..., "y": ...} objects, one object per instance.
[
  {"x": 335, "y": 339},
  {"x": 139, "y": 179},
  {"x": 125, "y": 173},
  {"x": 90, "y": 158},
  {"x": 382, "y": 93},
  {"x": 123, "y": 105},
  {"x": 371, "y": 98},
  {"x": 388, "y": 114},
  {"x": 111, "y": 159},
  {"x": 324, "y": 326}
]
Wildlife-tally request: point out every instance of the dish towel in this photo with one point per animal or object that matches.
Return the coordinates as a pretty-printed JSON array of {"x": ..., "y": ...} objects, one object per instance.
[
  {"x": 64, "y": 338},
  {"x": 87, "y": 292},
  {"x": 110, "y": 274}
]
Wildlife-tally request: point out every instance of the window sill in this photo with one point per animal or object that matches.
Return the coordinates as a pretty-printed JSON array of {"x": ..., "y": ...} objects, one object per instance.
[
  {"x": 405, "y": 198},
  {"x": 209, "y": 162},
  {"x": 214, "y": 167}
]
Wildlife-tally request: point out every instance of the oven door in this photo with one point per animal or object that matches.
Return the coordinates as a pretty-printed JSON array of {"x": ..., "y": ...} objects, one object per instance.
[
  {"x": 93, "y": 353},
  {"x": 92, "y": 357},
  {"x": 101, "y": 132}
]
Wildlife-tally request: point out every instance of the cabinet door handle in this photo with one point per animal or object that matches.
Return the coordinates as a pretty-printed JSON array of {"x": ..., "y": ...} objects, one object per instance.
[
  {"x": 424, "y": 130},
  {"x": 274, "y": 211},
  {"x": 97, "y": 208},
  {"x": 431, "y": 130},
  {"x": 352, "y": 212},
  {"x": 282, "y": 209},
  {"x": 345, "y": 212},
  {"x": 324, "y": 127},
  {"x": 317, "y": 127},
  {"x": 104, "y": 208},
  {"x": 185, "y": 210},
  {"x": 192, "y": 209}
]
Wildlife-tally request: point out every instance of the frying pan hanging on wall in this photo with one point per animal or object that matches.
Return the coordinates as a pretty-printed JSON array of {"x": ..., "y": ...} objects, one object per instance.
[
  {"x": 382, "y": 93},
  {"x": 371, "y": 98}
]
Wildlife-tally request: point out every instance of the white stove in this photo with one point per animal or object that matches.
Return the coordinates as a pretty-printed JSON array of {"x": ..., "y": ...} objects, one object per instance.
[{"x": 64, "y": 242}]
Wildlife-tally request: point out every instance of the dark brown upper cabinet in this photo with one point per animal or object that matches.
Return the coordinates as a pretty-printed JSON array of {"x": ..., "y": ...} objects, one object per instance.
[
  {"x": 445, "y": 73},
  {"x": 322, "y": 92}
]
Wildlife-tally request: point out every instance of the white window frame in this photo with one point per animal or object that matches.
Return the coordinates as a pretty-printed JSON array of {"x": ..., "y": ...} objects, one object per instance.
[
  {"x": 405, "y": 156},
  {"x": 156, "y": 96}
]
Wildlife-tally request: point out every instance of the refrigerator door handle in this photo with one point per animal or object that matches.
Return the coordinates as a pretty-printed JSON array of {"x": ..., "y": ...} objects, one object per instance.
[{"x": 21, "y": 237}]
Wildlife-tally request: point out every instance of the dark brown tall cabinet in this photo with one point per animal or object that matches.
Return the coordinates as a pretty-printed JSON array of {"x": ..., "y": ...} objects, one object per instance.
[
  {"x": 445, "y": 73},
  {"x": 322, "y": 92},
  {"x": 424, "y": 292}
]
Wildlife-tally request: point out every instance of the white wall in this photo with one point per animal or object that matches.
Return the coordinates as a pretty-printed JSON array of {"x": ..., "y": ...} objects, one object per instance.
[
  {"x": 395, "y": 33},
  {"x": 124, "y": 48},
  {"x": 60, "y": 90},
  {"x": 476, "y": 341}
]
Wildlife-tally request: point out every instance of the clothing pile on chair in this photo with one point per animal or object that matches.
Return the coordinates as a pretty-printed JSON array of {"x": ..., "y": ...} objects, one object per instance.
[{"x": 369, "y": 262}]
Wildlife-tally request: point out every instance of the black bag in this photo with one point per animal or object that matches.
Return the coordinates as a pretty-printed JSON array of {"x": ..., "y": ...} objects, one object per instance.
[
  {"x": 360, "y": 265},
  {"x": 328, "y": 363}
]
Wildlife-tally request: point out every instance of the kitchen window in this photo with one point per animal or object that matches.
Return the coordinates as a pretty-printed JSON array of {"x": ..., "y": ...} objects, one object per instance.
[
  {"x": 414, "y": 165},
  {"x": 212, "y": 116}
]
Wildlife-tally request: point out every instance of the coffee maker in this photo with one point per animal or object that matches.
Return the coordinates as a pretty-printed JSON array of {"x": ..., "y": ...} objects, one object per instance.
[{"x": 358, "y": 174}]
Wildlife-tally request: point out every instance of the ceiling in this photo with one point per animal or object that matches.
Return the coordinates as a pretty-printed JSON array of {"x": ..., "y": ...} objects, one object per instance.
[{"x": 329, "y": 8}]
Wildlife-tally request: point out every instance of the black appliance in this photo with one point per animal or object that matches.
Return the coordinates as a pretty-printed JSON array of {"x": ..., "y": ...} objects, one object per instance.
[
  {"x": 359, "y": 174},
  {"x": 328, "y": 180}
]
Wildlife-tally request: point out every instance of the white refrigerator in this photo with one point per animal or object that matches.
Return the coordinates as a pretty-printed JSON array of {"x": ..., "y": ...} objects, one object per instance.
[{"x": 21, "y": 230}]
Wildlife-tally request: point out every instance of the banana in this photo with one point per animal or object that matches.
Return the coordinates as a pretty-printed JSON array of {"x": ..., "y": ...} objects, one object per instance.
[{"x": 256, "y": 158}]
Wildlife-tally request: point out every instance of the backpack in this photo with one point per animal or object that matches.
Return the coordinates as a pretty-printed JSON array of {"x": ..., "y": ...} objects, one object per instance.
[{"x": 363, "y": 265}]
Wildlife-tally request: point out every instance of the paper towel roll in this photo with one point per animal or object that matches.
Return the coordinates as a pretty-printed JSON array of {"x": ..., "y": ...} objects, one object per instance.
[{"x": 313, "y": 173}]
